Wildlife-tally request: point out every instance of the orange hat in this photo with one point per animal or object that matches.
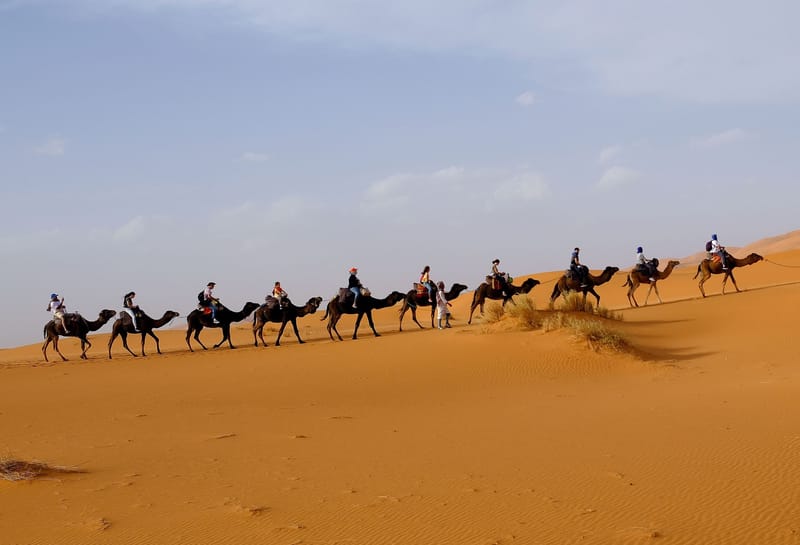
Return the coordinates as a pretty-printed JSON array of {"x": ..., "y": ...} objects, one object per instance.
[{"x": 353, "y": 270}]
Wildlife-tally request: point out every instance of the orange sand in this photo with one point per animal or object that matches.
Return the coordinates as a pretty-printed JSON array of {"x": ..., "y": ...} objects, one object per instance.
[{"x": 476, "y": 434}]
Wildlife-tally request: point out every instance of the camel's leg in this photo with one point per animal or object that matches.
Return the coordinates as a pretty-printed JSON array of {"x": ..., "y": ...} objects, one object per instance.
[
  {"x": 258, "y": 328},
  {"x": 55, "y": 347},
  {"x": 730, "y": 273},
  {"x": 111, "y": 341},
  {"x": 371, "y": 323},
  {"x": 658, "y": 295},
  {"x": 296, "y": 332},
  {"x": 158, "y": 344},
  {"x": 703, "y": 279},
  {"x": 414, "y": 317},
  {"x": 280, "y": 333},
  {"x": 226, "y": 336},
  {"x": 197, "y": 336},
  {"x": 334, "y": 319},
  {"x": 358, "y": 323},
  {"x": 472, "y": 308},
  {"x": 44, "y": 348},
  {"x": 403, "y": 310},
  {"x": 85, "y": 345},
  {"x": 124, "y": 336}
]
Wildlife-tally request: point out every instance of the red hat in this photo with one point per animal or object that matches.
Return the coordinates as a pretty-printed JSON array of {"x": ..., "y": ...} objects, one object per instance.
[{"x": 353, "y": 269}]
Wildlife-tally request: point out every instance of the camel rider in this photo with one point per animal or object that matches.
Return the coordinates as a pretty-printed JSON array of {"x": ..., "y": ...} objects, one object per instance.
[
  {"x": 210, "y": 301},
  {"x": 578, "y": 270},
  {"x": 645, "y": 264},
  {"x": 57, "y": 307},
  {"x": 499, "y": 276},
  {"x": 354, "y": 284},
  {"x": 425, "y": 280},
  {"x": 131, "y": 308},
  {"x": 279, "y": 293},
  {"x": 719, "y": 250}
]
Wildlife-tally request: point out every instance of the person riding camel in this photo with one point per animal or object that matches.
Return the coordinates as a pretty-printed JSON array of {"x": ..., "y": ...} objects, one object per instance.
[
  {"x": 578, "y": 270},
  {"x": 278, "y": 292},
  {"x": 645, "y": 264},
  {"x": 57, "y": 307},
  {"x": 425, "y": 280},
  {"x": 354, "y": 284},
  {"x": 207, "y": 299},
  {"x": 718, "y": 249},
  {"x": 131, "y": 308},
  {"x": 499, "y": 277}
]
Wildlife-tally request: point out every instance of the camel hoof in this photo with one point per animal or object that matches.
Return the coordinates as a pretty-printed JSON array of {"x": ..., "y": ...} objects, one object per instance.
[{"x": 301, "y": 342}]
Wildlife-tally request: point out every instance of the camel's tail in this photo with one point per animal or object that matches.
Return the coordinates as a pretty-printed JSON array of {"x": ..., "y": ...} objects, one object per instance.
[
  {"x": 556, "y": 292},
  {"x": 699, "y": 266},
  {"x": 327, "y": 310},
  {"x": 627, "y": 282}
]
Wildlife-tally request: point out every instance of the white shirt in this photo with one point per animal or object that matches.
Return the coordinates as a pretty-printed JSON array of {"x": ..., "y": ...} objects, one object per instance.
[
  {"x": 207, "y": 293},
  {"x": 715, "y": 247},
  {"x": 56, "y": 306}
]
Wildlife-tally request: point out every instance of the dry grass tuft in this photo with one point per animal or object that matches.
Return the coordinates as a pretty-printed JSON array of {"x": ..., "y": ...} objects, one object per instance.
[
  {"x": 574, "y": 303},
  {"x": 19, "y": 470},
  {"x": 525, "y": 313},
  {"x": 596, "y": 333},
  {"x": 608, "y": 314},
  {"x": 493, "y": 312}
]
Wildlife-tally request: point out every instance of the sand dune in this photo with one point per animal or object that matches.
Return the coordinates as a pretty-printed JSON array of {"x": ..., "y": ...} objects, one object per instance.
[{"x": 478, "y": 434}]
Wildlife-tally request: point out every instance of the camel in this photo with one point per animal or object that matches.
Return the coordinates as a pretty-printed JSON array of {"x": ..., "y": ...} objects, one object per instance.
[
  {"x": 124, "y": 325},
  {"x": 197, "y": 320},
  {"x": 638, "y": 276},
  {"x": 282, "y": 315},
  {"x": 565, "y": 284},
  {"x": 366, "y": 304},
  {"x": 709, "y": 267},
  {"x": 79, "y": 327},
  {"x": 413, "y": 300},
  {"x": 485, "y": 291}
]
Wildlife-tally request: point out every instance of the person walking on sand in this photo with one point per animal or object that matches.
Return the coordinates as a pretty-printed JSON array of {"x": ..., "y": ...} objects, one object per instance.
[{"x": 441, "y": 306}]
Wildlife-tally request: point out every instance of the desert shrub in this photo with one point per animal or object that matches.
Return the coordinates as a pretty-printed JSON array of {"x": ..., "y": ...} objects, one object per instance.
[
  {"x": 19, "y": 470},
  {"x": 525, "y": 313},
  {"x": 493, "y": 312},
  {"x": 608, "y": 314},
  {"x": 574, "y": 303},
  {"x": 598, "y": 335}
]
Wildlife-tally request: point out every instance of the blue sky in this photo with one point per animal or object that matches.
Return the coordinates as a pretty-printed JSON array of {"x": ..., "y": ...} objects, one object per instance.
[{"x": 154, "y": 145}]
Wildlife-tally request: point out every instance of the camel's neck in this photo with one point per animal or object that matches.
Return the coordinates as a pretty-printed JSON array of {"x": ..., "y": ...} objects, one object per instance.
[
  {"x": 163, "y": 320},
  {"x": 749, "y": 260},
  {"x": 307, "y": 309},
  {"x": 667, "y": 271},
  {"x": 385, "y": 302},
  {"x": 452, "y": 294},
  {"x": 96, "y": 324},
  {"x": 604, "y": 277}
]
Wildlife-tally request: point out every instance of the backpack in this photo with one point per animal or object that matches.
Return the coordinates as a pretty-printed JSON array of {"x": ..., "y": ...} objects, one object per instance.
[
  {"x": 201, "y": 297},
  {"x": 709, "y": 246}
]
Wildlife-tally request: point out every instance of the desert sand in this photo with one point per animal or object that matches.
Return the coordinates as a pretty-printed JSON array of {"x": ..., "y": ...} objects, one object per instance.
[{"x": 481, "y": 434}]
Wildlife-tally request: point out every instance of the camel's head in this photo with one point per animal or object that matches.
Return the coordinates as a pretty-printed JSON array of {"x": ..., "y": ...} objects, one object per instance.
[
  {"x": 396, "y": 297},
  {"x": 611, "y": 271},
  {"x": 528, "y": 285},
  {"x": 673, "y": 263},
  {"x": 106, "y": 314},
  {"x": 313, "y": 304},
  {"x": 754, "y": 258},
  {"x": 250, "y": 307},
  {"x": 458, "y": 288},
  {"x": 171, "y": 314}
]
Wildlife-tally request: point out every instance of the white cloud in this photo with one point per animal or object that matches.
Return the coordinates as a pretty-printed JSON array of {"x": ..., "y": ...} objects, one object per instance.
[
  {"x": 608, "y": 153},
  {"x": 449, "y": 173},
  {"x": 526, "y": 99},
  {"x": 723, "y": 138},
  {"x": 254, "y": 157},
  {"x": 617, "y": 176},
  {"x": 52, "y": 147},
  {"x": 132, "y": 230},
  {"x": 676, "y": 49},
  {"x": 521, "y": 188}
]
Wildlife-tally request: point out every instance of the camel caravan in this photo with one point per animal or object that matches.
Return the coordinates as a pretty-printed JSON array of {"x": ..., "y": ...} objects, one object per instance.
[{"x": 357, "y": 300}]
